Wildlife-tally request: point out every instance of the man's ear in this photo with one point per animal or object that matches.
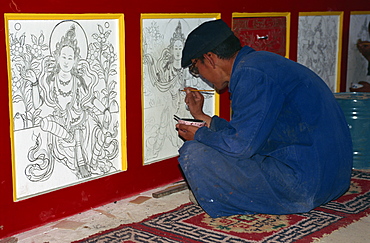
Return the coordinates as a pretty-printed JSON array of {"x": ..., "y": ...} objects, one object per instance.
[{"x": 210, "y": 56}]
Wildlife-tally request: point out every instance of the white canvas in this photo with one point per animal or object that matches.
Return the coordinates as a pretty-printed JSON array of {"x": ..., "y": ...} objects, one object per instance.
[
  {"x": 357, "y": 64},
  {"x": 318, "y": 37},
  {"x": 163, "y": 79},
  {"x": 65, "y": 102}
]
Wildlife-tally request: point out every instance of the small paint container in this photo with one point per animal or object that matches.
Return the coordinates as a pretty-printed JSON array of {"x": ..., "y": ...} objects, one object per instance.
[{"x": 192, "y": 122}]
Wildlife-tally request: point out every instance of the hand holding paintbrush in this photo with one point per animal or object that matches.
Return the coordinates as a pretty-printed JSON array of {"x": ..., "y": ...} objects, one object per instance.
[
  {"x": 203, "y": 91},
  {"x": 195, "y": 101},
  {"x": 199, "y": 90}
]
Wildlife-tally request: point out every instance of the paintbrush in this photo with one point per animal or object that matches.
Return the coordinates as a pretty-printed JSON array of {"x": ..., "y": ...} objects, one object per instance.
[
  {"x": 199, "y": 90},
  {"x": 176, "y": 118}
]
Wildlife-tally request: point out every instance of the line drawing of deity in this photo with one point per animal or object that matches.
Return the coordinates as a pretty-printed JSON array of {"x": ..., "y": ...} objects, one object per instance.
[
  {"x": 71, "y": 99},
  {"x": 357, "y": 64},
  {"x": 164, "y": 78},
  {"x": 317, "y": 46}
]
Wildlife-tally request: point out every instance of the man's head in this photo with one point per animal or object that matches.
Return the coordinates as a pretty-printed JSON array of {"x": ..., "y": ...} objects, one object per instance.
[
  {"x": 205, "y": 38},
  {"x": 209, "y": 52}
]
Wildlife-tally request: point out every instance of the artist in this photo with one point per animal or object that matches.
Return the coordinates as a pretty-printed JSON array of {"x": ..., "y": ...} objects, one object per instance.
[{"x": 287, "y": 148}]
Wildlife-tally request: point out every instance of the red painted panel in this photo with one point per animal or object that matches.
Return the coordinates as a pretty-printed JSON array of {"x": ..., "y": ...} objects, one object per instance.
[{"x": 262, "y": 33}]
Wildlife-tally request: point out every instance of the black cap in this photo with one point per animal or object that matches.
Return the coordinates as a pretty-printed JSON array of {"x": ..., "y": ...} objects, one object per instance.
[{"x": 203, "y": 39}]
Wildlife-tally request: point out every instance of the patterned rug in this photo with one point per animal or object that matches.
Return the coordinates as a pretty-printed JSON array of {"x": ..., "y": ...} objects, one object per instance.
[{"x": 189, "y": 223}]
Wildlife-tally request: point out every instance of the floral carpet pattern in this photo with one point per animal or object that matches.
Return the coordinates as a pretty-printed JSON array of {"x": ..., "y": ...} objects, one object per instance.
[{"x": 189, "y": 223}]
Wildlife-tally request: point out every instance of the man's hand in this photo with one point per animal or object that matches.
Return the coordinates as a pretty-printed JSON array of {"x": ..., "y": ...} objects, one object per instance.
[
  {"x": 195, "y": 101},
  {"x": 186, "y": 132}
]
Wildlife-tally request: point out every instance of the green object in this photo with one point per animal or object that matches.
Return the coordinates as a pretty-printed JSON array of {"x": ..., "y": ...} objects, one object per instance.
[{"x": 356, "y": 108}]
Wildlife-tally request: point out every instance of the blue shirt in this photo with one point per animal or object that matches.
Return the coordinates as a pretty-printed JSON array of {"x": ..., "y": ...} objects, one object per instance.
[{"x": 287, "y": 148}]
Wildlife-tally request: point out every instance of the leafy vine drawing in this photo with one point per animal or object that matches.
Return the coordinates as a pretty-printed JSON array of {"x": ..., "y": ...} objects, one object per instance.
[{"x": 82, "y": 127}]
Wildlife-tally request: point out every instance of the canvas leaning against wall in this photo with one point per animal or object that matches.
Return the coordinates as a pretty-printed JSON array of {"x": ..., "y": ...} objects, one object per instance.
[
  {"x": 67, "y": 99},
  {"x": 357, "y": 66},
  {"x": 320, "y": 45},
  {"x": 163, "y": 79}
]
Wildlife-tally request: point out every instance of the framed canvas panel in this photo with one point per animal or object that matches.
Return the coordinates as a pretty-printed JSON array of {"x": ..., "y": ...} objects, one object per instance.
[
  {"x": 163, "y": 37},
  {"x": 358, "y": 68},
  {"x": 67, "y": 99},
  {"x": 320, "y": 45},
  {"x": 263, "y": 31}
]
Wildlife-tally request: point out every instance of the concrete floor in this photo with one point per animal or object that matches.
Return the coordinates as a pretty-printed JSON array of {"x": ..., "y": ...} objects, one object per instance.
[{"x": 133, "y": 210}]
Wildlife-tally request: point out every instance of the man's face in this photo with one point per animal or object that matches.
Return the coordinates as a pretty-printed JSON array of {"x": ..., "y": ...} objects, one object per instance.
[{"x": 212, "y": 74}]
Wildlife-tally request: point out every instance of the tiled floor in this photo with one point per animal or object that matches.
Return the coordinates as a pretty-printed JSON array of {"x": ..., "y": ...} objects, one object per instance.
[{"x": 130, "y": 210}]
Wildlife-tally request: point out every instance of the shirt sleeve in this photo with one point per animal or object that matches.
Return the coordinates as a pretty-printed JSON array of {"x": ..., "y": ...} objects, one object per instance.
[{"x": 256, "y": 104}]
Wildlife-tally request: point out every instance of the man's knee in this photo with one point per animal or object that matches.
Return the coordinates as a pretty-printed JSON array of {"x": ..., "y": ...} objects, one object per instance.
[
  {"x": 192, "y": 151},
  {"x": 190, "y": 147}
]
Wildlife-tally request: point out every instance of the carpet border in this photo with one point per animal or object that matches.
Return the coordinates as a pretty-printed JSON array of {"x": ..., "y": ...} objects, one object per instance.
[
  {"x": 346, "y": 220},
  {"x": 335, "y": 226}
]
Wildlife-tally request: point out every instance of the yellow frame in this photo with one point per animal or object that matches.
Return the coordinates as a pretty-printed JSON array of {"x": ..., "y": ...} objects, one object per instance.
[
  {"x": 169, "y": 16},
  {"x": 270, "y": 14},
  {"x": 122, "y": 75},
  {"x": 340, "y": 34}
]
